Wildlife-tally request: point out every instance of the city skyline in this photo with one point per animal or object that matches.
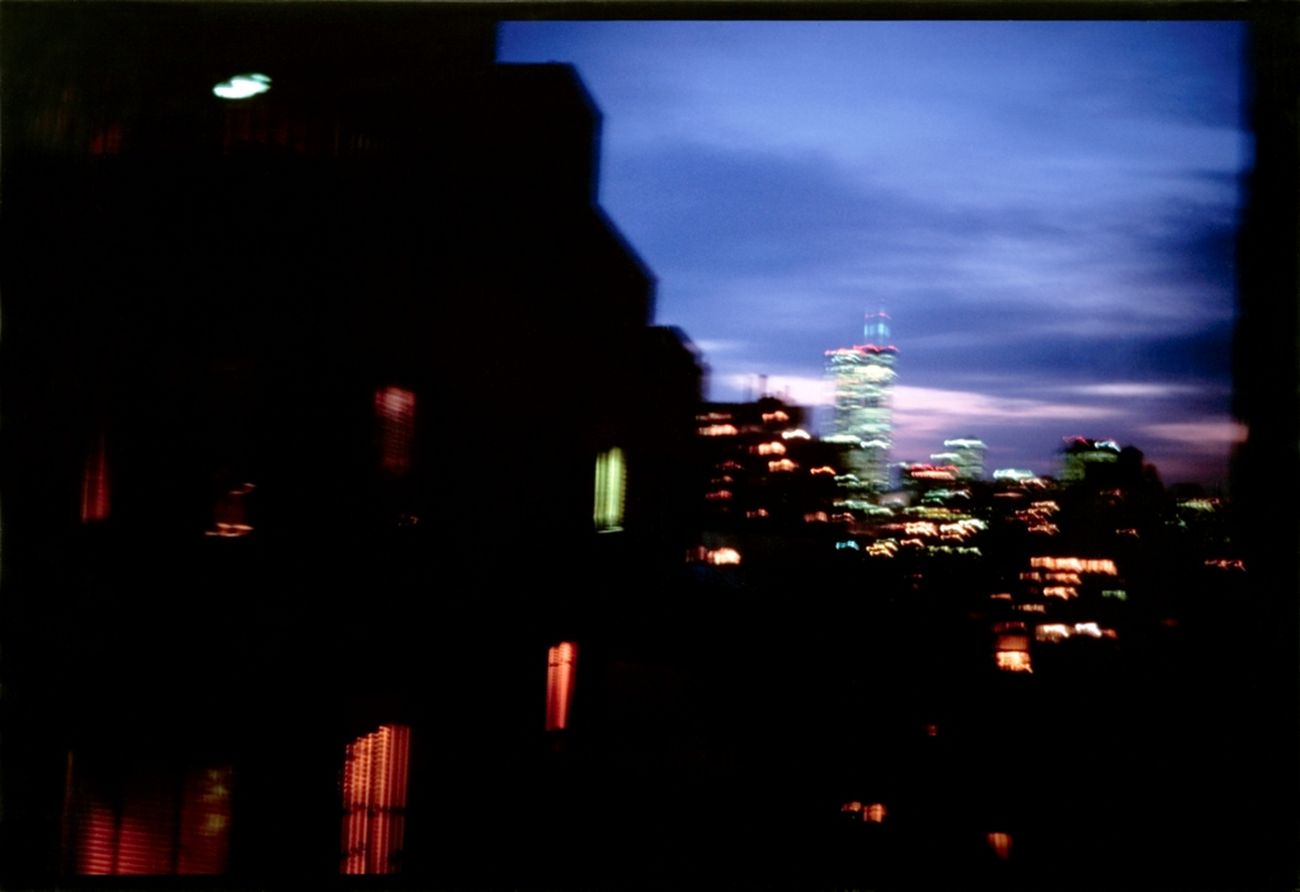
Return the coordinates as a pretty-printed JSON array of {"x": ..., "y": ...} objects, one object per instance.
[
  {"x": 263, "y": 436},
  {"x": 1047, "y": 210}
]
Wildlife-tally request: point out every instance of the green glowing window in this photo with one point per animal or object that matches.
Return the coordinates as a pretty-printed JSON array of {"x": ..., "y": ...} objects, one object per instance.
[{"x": 611, "y": 489}]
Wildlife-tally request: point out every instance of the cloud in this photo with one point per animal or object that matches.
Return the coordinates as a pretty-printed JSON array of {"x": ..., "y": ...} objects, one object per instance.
[
  {"x": 714, "y": 346},
  {"x": 969, "y": 404},
  {"x": 1135, "y": 389},
  {"x": 1206, "y": 436}
]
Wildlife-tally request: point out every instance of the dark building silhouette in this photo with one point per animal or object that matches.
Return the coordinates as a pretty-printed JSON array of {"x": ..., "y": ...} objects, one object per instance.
[{"x": 306, "y": 398}]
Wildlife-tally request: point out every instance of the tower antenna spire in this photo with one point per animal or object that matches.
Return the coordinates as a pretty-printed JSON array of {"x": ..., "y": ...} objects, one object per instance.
[{"x": 875, "y": 328}]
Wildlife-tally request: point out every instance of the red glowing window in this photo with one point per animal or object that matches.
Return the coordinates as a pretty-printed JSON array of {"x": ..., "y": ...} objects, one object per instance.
[
  {"x": 395, "y": 412},
  {"x": 94, "y": 484},
  {"x": 561, "y": 670},
  {"x": 1000, "y": 843},
  {"x": 374, "y": 800},
  {"x": 155, "y": 824}
]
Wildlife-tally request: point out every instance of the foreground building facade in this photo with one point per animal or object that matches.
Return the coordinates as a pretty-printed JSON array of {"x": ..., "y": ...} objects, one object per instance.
[{"x": 287, "y": 499}]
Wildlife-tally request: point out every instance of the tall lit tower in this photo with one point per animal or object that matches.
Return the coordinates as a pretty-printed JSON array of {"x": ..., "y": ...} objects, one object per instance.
[{"x": 863, "y": 376}]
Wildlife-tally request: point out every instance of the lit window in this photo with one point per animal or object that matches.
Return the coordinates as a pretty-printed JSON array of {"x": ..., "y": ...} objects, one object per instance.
[
  {"x": 395, "y": 412},
  {"x": 1052, "y": 632},
  {"x": 1013, "y": 661},
  {"x": 94, "y": 484},
  {"x": 869, "y": 813},
  {"x": 1068, "y": 578},
  {"x": 722, "y": 556},
  {"x": 1014, "y": 641},
  {"x": 1000, "y": 843},
  {"x": 374, "y": 800},
  {"x": 561, "y": 672},
  {"x": 1104, "y": 566},
  {"x": 145, "y": 828},
  {"x": 611, "y": 490}
]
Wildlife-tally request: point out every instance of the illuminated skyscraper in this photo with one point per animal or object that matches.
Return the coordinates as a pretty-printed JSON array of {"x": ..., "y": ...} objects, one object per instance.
[{"x": 863, "y": 414}]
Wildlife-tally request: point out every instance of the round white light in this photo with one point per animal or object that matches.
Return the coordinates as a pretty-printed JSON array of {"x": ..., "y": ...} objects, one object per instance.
[{"x": 241, "y": 86}]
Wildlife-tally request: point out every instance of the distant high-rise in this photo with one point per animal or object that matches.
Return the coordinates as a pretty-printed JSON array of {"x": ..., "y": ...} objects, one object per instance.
[
  {"x": 1080, "y": 453},
  {"x": 864, "y": 382},
  {"x": 966, "y": 454}
]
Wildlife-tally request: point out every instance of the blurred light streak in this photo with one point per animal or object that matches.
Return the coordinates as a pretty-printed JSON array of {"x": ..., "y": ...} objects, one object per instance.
[
  {"x": 242, "y": 86},
  {"x": 1103, "y": 566},
  {"x": 561, "y": 673},
  {"x": 611, "y": 491},
  {"x": 94, "y": 484}
]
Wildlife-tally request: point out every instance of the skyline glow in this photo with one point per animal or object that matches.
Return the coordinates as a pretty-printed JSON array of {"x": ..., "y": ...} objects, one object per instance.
[{"x": 1048, "y": 211}]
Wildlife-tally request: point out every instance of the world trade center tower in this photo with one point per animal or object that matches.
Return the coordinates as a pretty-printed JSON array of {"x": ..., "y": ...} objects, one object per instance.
[{"x": 863, "y": 376}]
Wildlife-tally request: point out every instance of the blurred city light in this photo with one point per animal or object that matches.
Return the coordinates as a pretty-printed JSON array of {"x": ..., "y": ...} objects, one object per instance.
[{"x": 242, "y": 86}]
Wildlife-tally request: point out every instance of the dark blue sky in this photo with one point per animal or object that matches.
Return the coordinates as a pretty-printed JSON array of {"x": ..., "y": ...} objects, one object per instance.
[{"x": 1047, "y": 210}]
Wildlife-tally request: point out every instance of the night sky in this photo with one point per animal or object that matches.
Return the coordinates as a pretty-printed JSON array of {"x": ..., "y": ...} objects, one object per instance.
[{"x": 1048, "y": 212}]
